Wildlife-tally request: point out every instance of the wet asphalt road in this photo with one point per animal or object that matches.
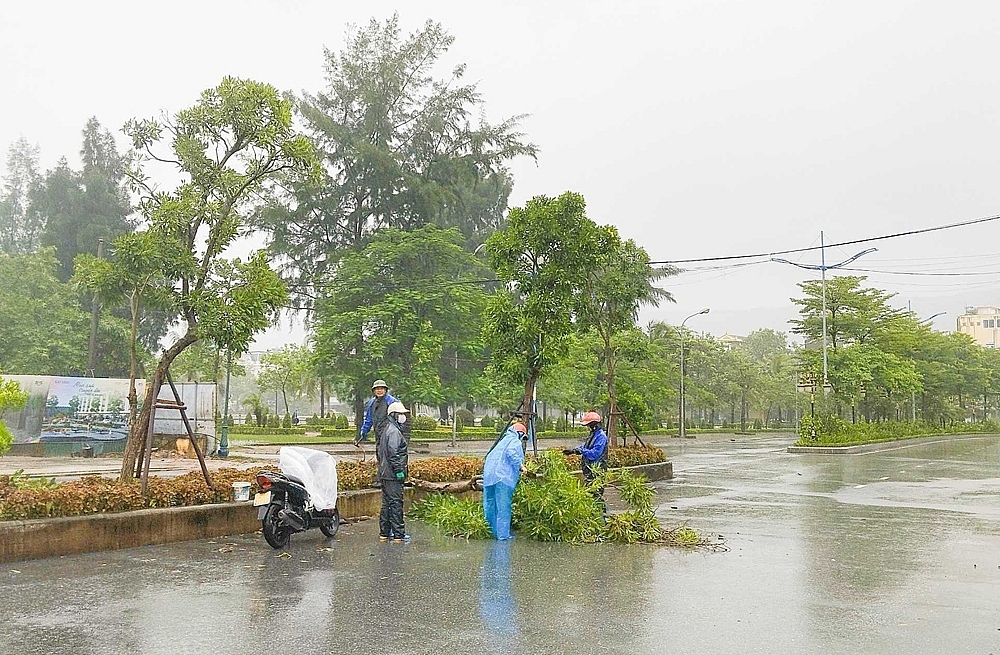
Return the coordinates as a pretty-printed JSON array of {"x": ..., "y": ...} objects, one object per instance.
[{"x": 890, "y": 552}]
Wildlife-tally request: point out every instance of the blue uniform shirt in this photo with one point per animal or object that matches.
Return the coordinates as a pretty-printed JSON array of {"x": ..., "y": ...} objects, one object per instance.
[{"x": 366, "y": 426}]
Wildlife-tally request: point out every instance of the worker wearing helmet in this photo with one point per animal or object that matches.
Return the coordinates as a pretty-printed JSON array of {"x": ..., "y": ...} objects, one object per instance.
[
  {"x": 391, "y": 448},
  {"x": 501, "y": 470},
  {"x": 376, "y": 411},
  {"x": 594, "y": 451}
]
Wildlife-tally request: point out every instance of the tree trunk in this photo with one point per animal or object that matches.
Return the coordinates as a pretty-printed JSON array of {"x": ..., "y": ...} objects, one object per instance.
[
  {"x": 444, "y": 409},
  {"x": 743, "y": 411},
  {"x": 138, "y": 430},
  {"x": 612, "y": 401},
  {"x": 359, "y": 409},
  {"x": 133, "y": 361},
  {"x": 322, "y": 397},
  {"x": 529, "y": 392}
]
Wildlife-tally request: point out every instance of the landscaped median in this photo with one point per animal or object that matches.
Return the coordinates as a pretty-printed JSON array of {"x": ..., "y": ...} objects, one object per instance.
[
  {"x": 43, "y": 519},
  {"x": 833, "y": 434}
]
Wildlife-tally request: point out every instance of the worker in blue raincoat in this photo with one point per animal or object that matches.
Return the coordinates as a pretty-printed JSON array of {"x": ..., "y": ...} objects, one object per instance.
[
  {"x": 593, "y": 452},
  {"x": 501, "y": 470}
]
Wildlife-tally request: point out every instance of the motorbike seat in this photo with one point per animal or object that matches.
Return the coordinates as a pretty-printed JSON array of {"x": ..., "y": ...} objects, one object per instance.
[{"x": 292, "y": 478}]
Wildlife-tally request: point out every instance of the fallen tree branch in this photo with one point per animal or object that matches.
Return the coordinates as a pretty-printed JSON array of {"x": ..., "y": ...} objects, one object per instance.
[{"x": 475, "y": 484}]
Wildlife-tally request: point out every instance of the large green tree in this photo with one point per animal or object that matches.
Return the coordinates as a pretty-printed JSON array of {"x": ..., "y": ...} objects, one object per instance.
[
  {"x": 541, "y": 259},
  {"x": 401, "y": 147},
  {"x": 860, "y": 323},
  {"x": 619, "y": 280},
  {"x": 79, "y": 208},
  {"x": 19, "y": 228},
  {"x": 45, "y": 330},
  {"x": 226, "y": 149},
  {"x": 288, "y": 370},
  {"x": 401, "y": 309}
]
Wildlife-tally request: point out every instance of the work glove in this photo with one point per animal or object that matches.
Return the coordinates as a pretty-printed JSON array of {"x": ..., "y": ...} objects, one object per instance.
[
  {"x": 569, "y": 451},
  {"x": 400, "y": 475}
]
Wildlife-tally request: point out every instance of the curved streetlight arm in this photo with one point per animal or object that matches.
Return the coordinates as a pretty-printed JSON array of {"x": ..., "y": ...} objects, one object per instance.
[
  {"x": 814, "y": 267},
  {"x": 704, "y": 311}
]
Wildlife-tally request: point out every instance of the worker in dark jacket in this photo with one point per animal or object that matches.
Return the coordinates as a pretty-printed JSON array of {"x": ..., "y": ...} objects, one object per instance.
[
  {"x": 376, "y": 411},
  {"x": 594, "y": 451},
  {"x": 392, "y": 469}
]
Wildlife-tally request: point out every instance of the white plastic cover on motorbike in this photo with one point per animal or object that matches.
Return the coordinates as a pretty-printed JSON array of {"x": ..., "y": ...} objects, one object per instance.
[{"x": 316, "y": 469}]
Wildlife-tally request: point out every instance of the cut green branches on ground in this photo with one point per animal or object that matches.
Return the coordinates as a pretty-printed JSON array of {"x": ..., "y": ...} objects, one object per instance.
[{"x": 552, "y": 504}]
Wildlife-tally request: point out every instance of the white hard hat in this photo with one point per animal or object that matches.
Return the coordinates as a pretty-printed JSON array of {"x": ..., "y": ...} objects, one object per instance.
[{"x": 397, "y": 408}]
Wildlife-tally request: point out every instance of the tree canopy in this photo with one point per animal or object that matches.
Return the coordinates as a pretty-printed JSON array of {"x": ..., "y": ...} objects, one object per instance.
[{"x": 400, "y": 147}]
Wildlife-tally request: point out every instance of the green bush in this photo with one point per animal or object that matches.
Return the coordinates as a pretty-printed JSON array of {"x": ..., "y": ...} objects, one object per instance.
[
  {"x": 286, "y": 422},
  {"x": 422, "y": 422},
  {"x": 329, "y": 421},
  {"x": 467, "y": 418},
  {"x": 341, "y": 422},
  {"x": 5, "y": 438},
  {"x": 249, "y": 419},
  {"x": 11, "y": 397},
  {"x": 487, "y": 422},
  {"x": 834, "y": 431},
  {"x": 254, "y": 430}
]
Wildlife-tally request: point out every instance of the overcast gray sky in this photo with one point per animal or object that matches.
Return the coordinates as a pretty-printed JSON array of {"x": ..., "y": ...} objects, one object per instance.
[{"x": 699, "y": 128}]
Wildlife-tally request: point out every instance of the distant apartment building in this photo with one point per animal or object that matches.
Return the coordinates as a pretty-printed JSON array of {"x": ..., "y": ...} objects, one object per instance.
[{"x": 982, "y": 324}]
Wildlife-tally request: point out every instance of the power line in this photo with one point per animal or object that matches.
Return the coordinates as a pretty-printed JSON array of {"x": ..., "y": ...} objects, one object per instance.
[
  {"x": 925, "y": 273},
  {"x": 894, "y": 235}
]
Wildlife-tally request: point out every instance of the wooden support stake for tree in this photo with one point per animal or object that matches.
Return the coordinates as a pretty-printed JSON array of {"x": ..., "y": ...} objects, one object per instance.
[
  {"x": 619, "y": 414},
  {"x": 187, "y": 426}
]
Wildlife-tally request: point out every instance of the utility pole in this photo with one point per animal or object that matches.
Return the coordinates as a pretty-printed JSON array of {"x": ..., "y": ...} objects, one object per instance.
[
  {"x": 823, "y": 268},
  {"x": 95, "y": 316},
  {"x": 822, "y": 261}
]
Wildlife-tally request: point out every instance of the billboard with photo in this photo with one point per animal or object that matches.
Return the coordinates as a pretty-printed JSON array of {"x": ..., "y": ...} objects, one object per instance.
[{"x": 75, "y": 409}]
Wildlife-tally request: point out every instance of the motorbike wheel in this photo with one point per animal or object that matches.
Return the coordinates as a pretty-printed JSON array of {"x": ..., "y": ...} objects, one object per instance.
[
  {"x": 276, "y": 534},
  {"x": 330, "y": 529}
]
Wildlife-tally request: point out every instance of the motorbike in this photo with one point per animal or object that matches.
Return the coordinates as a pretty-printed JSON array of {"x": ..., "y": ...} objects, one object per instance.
[{"x": 284, "y": 508}]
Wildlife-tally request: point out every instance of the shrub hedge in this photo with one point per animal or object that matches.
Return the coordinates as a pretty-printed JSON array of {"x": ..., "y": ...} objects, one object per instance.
[
  {"x": 254, "y": 430},
  {"x": 834, "y": 431},
  {"x": 31, "y": 498}
]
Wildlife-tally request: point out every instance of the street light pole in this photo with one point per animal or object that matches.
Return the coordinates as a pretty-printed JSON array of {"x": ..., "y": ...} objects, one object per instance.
[
  {"x": 224, "y": 439},
  {"x": 823, "y": 268},
  {"x": 681, "y": 331},
  {"x": 95, "y": 317}
]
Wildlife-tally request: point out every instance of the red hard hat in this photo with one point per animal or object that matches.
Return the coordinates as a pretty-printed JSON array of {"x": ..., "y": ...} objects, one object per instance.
[
  {"x": 519, "y": 427},
  {"x": 591, "y": 417}
]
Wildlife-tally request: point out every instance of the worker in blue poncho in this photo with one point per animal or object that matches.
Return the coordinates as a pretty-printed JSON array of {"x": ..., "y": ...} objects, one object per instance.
[
  {"x": 501, "y": 470},
  {"x": 593, "y": 452}
]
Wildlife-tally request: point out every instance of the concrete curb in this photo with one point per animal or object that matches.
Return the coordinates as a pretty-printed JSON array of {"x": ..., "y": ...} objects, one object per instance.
[
  {"x": 886, "y": 445},
  {"x": 39, "y": 538}
]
